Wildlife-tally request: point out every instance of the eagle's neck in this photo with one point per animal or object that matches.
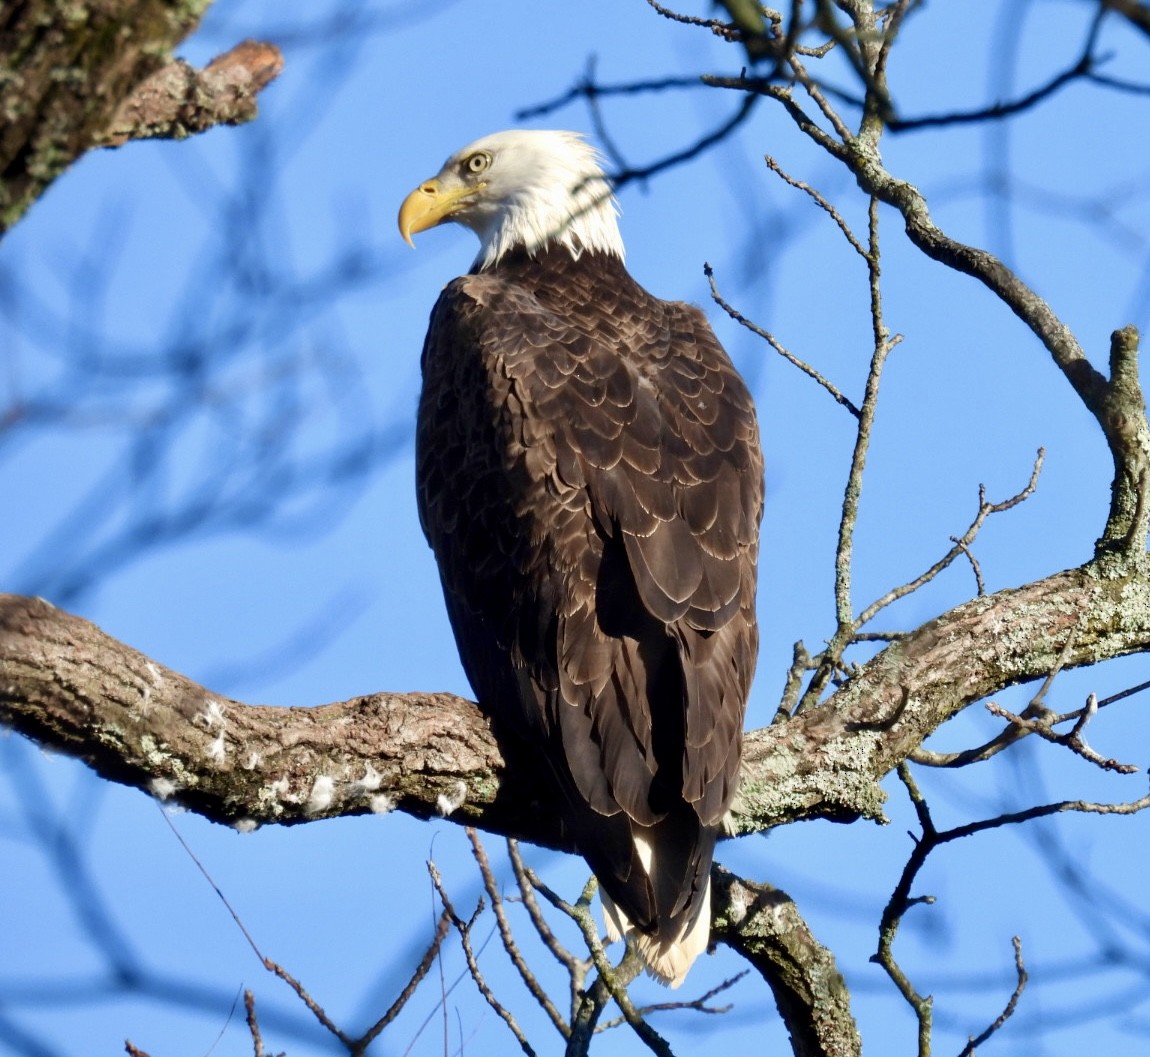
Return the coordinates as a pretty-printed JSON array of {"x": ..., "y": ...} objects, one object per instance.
[
  {"x": 555, "y": 265},
  {"x": 579, "y": 218}
]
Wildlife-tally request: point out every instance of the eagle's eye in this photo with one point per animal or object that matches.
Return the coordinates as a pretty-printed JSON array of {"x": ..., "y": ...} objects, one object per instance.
[{"x": 477, "y": 162}]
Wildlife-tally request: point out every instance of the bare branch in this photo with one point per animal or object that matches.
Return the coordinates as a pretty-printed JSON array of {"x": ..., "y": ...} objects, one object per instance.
[
  {"x": 704, "y": 143},
  {"x": 1112, "y": 699},
  {"x": 713, "y": 24},
  {"x": 900, "y": 902},
  {"x": 421, "y": 970},
  {"x": 253, "y": 1024},
  {"x": 775, "y": 344},
  {"x": 1082, "y": 68},
  {"x": 464, "y": 930},
  {"x": 985, "y": 510},
  {"x": 699, "y": 1005},
  {"x": 821, "y": 201},
  {"x": 1117, "y": 403},
  {"x": 589, "y": 89},
  {"x": 1011, "y": 1005},
  {"x": 565, "y": 958},
  {"x": 881, "y": 349},
  {"x": 1073, "y": 741},
  {"x": 505, "y": 933},
  {"x": 611, "y": 982}
]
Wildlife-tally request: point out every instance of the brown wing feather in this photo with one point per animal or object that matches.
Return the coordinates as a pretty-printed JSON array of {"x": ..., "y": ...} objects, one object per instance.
[{"x": 591, "y": 483}]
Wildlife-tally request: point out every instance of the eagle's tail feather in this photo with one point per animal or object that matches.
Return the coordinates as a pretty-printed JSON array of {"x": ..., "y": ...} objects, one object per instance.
[{"x": 667, "y": 959}]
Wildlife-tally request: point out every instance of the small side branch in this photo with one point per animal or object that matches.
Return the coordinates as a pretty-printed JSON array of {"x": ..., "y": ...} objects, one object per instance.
[
  {"x": 1082, "y": 69},
  {"x": 901, "y": 899},
  {"x": 611, "y": 980},
  {"x": 1074, "y": 741},
  {"x": 464, "y": 929},
  {"x": 961, "y": 543},
  {"x": 822, "y": 202},
  {"x": 178, "y": 100},
  {"x": 775, "y": 344},
  {"x": 1012, "y": 1004},
  {"x": 526, "y": 974}
]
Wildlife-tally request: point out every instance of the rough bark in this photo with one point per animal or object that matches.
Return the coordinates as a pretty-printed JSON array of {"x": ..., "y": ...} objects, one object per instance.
[
  {"x": 763, "y": 924},
  {"x": 75, "y": 75},
  {"x": 74, "y": 689}
]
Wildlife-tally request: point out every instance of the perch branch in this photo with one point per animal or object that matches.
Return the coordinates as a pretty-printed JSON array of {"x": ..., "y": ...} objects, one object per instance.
[{"x": 75, "y": 690}]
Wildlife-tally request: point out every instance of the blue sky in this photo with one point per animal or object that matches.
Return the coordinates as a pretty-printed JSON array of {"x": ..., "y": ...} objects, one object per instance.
[{"x": 294, "y": 299}]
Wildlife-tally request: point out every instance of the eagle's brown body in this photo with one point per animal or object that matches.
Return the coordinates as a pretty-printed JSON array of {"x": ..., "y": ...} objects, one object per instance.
[{"x": 590, "y": 480}]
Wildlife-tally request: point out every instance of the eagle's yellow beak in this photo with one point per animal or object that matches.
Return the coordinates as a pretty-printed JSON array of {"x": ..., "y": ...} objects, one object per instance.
[{"x": 430, "y": 204}]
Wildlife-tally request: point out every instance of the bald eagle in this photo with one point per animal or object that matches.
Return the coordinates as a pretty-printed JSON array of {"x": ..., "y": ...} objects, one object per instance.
[{"x": 590, "y": 480}]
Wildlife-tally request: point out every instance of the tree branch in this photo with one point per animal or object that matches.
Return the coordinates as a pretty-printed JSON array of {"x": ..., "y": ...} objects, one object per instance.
[
  {"x": 765, "y": 927},
  {"x": 78, "y": 75},
  {"x": 178, "y": 100},
  {"x": 74, "y": 689}
]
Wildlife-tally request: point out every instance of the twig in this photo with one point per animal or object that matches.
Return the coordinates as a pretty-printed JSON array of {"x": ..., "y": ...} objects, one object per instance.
[
  {"x": 526, "y": 974},
  {"x": 1108, "y": 700},
  {"x": 612, "y": 980},
  {"x": 273, "y": 967},
  {"x": 1083, "y": 67},
  {"x": 853, "y": 491},
  {"x": 1118, "y": 84},
  {"x": 979, "y": 583},
  {"x": 1003, "y": 740},
  {"x": 901, "y": 901},
  {"x": 700, "y": 146},
  {"x": 1011, "y": 1005},
  {"x": 253, "y": 1024},
  {"x": 775, "y": 344},
  {"x": 985, "y": 510},
  {"x": 1072, "y": 741},
  {"x": 800, "y": 664},
  {"x": 313, "y": 1006},
  {"x": 354, "y": 1046},
  {"x": 898, "y": 904},
  {"x": 227, "y": 1020},
  {"x": 698, "y": 1004},
  {"x": 713, "y": 24},
  {"x": 464, "y": 930},
  {"x": 846, "y": 625},
  {"x": 527, "y": 893},
  {"x": 1012, "y": 733},
  {"x": 822, "y": 203},
  {"x": 932, "y": 838},
  {"x": 421, "y": 970},
  {"x": 586, "y": 88}
]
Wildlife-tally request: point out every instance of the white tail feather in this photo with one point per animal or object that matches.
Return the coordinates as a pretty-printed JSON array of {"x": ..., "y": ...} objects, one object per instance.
[{"x": 667, "y": 961}]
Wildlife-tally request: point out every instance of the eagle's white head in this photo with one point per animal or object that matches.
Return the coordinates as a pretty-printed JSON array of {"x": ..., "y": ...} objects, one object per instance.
[{"x": 530, "y": 189}]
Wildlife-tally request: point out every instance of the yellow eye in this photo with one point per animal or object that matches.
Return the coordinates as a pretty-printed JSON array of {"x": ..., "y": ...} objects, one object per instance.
[{"x": 477, "y": 162}]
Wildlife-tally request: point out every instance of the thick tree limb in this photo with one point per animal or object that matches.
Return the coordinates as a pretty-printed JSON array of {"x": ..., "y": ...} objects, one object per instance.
[
  {"x": 765, "y": 927},
  {"x": 70, "y": 687},
  {"x": 78, "y": 75}
]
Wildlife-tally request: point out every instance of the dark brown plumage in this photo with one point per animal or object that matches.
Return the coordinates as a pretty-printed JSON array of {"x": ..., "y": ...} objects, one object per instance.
[{"x": 590, "y": 480}]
